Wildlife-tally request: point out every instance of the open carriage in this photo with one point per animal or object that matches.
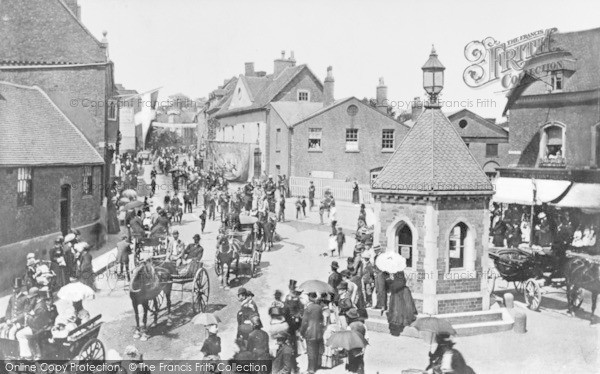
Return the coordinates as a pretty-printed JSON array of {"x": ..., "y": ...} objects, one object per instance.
[
  {"x": 531, "y": 270},
  {"x": 248, "y": 249},
  {"x": 81, "y": 344}
]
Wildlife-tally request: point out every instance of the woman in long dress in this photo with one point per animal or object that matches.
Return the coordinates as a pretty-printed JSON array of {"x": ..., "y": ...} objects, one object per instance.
[
  {"x": 402, "y": 311},
  {"x": 355, "y": 194},
  {"x": 58, "y": 264}
]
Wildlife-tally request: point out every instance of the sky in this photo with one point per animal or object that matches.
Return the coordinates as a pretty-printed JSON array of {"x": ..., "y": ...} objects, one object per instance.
[{"x": 191, "y": 46}]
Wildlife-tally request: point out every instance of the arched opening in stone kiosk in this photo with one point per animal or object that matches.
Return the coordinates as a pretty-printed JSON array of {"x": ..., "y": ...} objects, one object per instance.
[
  {"x": 459, "y": 248},
  {"x": 404, "y": 242}
]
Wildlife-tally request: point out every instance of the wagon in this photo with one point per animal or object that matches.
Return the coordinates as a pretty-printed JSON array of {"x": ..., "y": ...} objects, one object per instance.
[
  {"x": 81, "y": 344},
  {"x": 531, "y": 271},
  {"x": 247, "y": 248},
  {"x": 195, "y": 275}
]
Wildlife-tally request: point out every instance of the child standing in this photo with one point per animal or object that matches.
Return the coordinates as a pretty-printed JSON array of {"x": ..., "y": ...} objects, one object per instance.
[
  {"x": 281, "y": 217},
  {"x": 203, "y": 219},
  {"x": 298, "y": 207},
  {"x": 341, "y": 240},
  {"x": 304, "y": 206},
  {"x": 332, "y": 244},
  {"x": 321, "y": 211}
]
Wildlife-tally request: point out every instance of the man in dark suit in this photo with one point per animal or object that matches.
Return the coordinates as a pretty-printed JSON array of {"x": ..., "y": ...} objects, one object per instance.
[
  {"x": 312, "y": 330},
  {"x": 18, "y": 306},
  {"x": 258, "y": 340},
  {"x": 85, "y": 272},
  {"x": 285, "y": 359},
  {"x": 334, "y": 278}
]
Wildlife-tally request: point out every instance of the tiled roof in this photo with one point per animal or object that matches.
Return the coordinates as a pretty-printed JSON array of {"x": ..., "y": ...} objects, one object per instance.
[
  {"x": 579, "y": 50},
  {"x": 34, "y": 132},
  {"x": 477, "y": 126},
  {"x": 264, "y": 89},
  {"x": 294, "y": 111},
  {"x": 432, "y": 158},
  {"x": 45, "y": 32}
]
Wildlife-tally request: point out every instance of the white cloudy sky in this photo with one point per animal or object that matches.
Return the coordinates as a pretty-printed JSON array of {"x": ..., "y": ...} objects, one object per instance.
[{"x": 190, "y": 46}]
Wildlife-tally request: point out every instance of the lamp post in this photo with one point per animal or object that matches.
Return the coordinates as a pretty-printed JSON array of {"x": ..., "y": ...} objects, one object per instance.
[{"x": 433, "y": 78}]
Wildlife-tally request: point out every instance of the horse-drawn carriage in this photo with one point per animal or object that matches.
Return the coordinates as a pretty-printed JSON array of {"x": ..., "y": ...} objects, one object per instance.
[
  {"x": 531, "y": 270},
  {"x": 81, "y": 344},
  {"x": 237, "y": 247}
]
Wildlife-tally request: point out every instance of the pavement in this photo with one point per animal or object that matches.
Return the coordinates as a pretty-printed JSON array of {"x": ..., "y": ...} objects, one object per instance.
[{"x": 554, "y": 343}]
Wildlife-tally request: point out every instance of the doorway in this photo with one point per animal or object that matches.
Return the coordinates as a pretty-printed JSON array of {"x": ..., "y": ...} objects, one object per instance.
[{"x": 65, "y": 208}]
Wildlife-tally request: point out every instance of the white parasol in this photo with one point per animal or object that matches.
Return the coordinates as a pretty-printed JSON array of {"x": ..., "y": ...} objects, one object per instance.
[
  {"x": 390, "y": 262},
  {"x": 75, "y": 292}
]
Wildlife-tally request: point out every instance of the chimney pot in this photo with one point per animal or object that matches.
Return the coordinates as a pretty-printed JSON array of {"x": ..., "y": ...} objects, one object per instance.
[
  {"x": 381, "y": 97},
  {"x": 292, "y": 56},
  {"x": 416, "y": 108},
  {"x": 328, "y": 87},
  {"x": 283, "y": 55},
  {"x": 249, "y": 69}
]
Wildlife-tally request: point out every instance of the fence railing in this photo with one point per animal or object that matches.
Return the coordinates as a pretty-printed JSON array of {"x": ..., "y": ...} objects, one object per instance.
[{"x": 340, "y": 189}]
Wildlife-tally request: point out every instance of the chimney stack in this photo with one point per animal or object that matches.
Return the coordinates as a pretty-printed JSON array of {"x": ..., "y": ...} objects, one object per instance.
[
  {"x": 416, "y": 108},
  {"x": 381, "y": 98},
  {"x": 282, "y": 63},
  {"x": 104, "y": 42},
  {"x": 328, "y": 86},
  {"x": 249, "y": 69}
]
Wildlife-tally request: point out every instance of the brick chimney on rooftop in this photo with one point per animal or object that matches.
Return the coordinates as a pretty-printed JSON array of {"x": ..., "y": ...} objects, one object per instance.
[
  {"x": 328, "y": 86},
  {"x": 249, "y": 69},
  {"x": 382, "y": 103},
  {"x": 282, "y": 63}
]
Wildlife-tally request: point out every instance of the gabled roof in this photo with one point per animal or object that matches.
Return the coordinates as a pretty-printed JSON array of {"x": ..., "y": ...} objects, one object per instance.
[
  {"x": 265, "y": 89},
  {"x": 294, "y": 111},
  {"x": 45, "y": 32},
  {"x": 432, "y": 158},
  {"x": 581, "y": 49},
  {"x": 478, "y": 127},
  {"x": 35, "y": 132}
]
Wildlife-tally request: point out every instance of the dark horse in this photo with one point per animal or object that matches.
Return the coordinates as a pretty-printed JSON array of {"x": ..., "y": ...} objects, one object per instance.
[
  {"x": 265, "y": 229},
  {"x": 580, "y": 273},
  {"x": 146, "y": 284},
  {"x": 227, "y": 252}
]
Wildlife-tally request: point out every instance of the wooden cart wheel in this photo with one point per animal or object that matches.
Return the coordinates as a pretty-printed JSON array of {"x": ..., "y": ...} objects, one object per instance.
[
  {"x": 217, "y": 267},
  {"x": 533, "y": 294},
  {"x": 200, "y": 291},
  {"x": 93, "y": 350}
]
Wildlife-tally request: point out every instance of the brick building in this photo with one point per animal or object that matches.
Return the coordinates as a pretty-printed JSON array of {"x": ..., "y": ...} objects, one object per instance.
[
  {"x": 45, "y": 44},
  {"x": 554, "y": 122},
  {"x": 487, "y": 141},
  {"x": 431, "y": 199},
  {"x": 49, "y": 177},
  {"x": 241, "y": 107},
  {"x": 345, "y": 140},
  {"x": 129, "y": 104}
]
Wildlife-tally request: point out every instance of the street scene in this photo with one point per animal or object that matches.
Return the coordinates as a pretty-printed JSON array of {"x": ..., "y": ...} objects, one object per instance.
[{"x": 419, "y": 203}]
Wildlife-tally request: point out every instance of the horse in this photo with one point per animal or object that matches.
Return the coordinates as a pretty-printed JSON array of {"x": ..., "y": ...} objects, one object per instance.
[
  {"x": 580, "y": 273},
  {"x": 266, "y": 232},
  {"x": 146, "y": 284},
  {"x": 227, "y": 252}
]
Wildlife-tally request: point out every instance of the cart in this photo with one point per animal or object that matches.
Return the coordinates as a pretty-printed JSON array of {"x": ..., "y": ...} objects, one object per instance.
[
  {"x": 81, "y": 344},
  {"x": 532, "y": 271},
  {"x": 248, "y": 250}
]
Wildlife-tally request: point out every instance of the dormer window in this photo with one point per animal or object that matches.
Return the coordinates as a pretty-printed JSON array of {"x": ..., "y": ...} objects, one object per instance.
[
  {"x": 303, "y": 95},
  {"x": 556, "y": 81}
]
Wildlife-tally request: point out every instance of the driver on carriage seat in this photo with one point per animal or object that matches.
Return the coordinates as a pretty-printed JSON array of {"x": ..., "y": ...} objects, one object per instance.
[
  {"x": 18, "y": 306},
  {"x": 175, "y": 247},
  {"x": 192, "y": 251},
  {"x": 161, "y": 226},
  {"x": 41, "y": 317}
]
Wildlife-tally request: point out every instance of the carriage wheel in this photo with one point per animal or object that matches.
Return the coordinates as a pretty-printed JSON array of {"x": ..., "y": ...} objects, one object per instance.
[
  {"x": 93, "y": 350},
  {"x": 200, "y": 291},
  {"x": 533, "y": 294}
]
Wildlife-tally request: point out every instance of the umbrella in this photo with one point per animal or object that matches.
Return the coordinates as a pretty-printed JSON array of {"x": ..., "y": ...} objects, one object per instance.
[
  {"x": 347, "y": 340},
  {"x": 131, "y": 194},
  {"x": 316, "y": 286},
  {"x": 124, "y": 200},
  {"x": 434, "y": 325},
  {"x": 206, "y": 319},
  {"x": 390, "y": 262},
  {"x": 133, "y": 205},
  {"x": 75, "y": 292}
]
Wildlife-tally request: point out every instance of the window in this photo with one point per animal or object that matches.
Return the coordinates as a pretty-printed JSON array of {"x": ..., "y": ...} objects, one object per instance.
[
  {"x": 387, "y": 139},
  {"x": 351, "y": 139},
  {"x": 552, "y": 150},
  {"x": 112, "y": 110},
  {"x": 24, "y": 186},
  {"x": 87, "y": 180},
  {"x": 462, "y": 123},
  {"x": 491, "y": 150},
  {"x": 314, "y": 139},
  {"x": 352, "y": 110},
  {"x": 303, "y": 95},
  {"x": 458, "y": 237},
  {"x": 404, "y": 239},
  {"x": 556, "y": 80},
  {"x": 277, "y": 139}
]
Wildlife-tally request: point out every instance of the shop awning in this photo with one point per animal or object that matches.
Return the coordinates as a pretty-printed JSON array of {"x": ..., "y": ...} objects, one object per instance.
[
  {"x": 585, "y": 196},
  {"x": 520, "y": 190}
]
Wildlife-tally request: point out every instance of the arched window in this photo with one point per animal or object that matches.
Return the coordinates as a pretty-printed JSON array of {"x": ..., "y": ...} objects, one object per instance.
[
  {"x": 404, "y": 240},
  {"x": 552, "y": 145},
  {"x": 458, "y": 246}
]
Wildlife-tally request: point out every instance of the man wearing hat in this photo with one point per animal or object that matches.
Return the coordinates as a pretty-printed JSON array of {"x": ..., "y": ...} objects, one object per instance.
[
  {"x": 344, "y": 299},
  {"x": 123, "y": 252},
  {"x": 543, "y": 235},
  {"x": 15, "y": 312},
  {"x": 248, "y": 307},
  {"x": 258, "y": 340},
  {"x": 311, "y": 196},
  {"x": 175, "y": 247},
  {"x": 193, "y": 251},
  {"x": 285, "y": 359},
  {"x": 312, "y": 330},
  {"x": 368, "y": 278},
  {"x": 295, "y": 311},
  {"x": 41, "y": 316},
  {"x": 334, "y": 278},
  {"x": 30, "y": 271},
  {"x": 85, "y": 271},
  {"x": 356, "y": 356}
]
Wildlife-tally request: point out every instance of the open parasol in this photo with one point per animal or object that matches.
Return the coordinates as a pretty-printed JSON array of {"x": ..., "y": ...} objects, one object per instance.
[
  {"x": 131, "y": 194},
  {"x": 206, "y": 319},
  {"x": 316, "y": 286},
  {"x": 434, "y": 325},
  {"x": 133, "y": 205},
  {"x": 75, "y": 292},
  {"x": 347, "y": 340},
  {"x": 390, "y": 262}
]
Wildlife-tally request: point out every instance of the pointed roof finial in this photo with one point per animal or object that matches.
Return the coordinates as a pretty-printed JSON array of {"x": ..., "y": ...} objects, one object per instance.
[{"x": 433, "y": 52}]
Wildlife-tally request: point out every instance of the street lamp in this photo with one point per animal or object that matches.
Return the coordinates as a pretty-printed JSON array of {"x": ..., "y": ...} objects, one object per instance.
[{"x": 433, "y": 77}]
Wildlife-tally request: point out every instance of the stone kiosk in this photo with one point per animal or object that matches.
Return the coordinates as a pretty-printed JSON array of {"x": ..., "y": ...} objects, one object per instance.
[{"x": 432, "y": 202}]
